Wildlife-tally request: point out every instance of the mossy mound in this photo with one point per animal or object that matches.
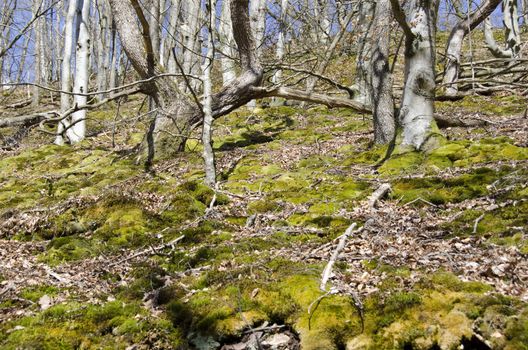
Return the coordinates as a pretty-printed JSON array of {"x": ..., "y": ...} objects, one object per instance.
[
  {"x": 454, "y": 154},
  {"x": 80, "y": 326}
]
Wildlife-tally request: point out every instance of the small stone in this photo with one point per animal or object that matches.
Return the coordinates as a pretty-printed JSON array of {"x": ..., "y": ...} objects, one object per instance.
[
  {"x": 277, "y": 340},
  {"x": 45, "y": 302}
]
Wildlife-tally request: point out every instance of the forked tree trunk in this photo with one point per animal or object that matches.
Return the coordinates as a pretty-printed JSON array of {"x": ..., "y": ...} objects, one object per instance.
[
  {"x": 510, "y": 19},
  {"x": 77, "y": 129},
  {"x": 456, "y": 38},
  {"x": 177, "y": 111},
  {"x": 417, "y": 107},
  {"x": 381, "y": 76}
]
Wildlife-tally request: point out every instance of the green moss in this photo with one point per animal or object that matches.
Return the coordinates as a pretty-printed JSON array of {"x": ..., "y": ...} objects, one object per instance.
[
  {"x": 406, "y": 162},
  {"x": 440, "y": 191},
  {"x": 114, "y": 325}
]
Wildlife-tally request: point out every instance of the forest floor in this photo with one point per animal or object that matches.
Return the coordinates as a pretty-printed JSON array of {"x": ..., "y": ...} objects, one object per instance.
[{"x": 98, "y": 253}]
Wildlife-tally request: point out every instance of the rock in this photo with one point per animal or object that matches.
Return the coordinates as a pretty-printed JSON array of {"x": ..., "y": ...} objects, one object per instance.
[
  {"x": 277, "y": 341},
  {"x": 203, "y": 342},
  {"x": 45, "y": 302}
]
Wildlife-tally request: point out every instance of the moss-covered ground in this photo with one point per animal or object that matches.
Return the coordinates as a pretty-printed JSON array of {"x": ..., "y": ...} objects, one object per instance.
[{"x": 441, "y": 264}]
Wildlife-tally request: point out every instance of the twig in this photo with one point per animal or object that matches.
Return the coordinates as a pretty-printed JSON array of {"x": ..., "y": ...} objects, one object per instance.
[
  {"x": 422, "y": 200},
  {"x": 151, "y": 249},
  {"x": 316, "y": 302},
  {"x": 328, "y": 269},
  {"x": 263, "y": 329},
  {"x": 477, "y": 222}
]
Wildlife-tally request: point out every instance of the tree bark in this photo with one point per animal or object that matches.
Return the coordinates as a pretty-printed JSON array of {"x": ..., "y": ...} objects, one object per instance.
[
  {"x": 511, "y": 30},
  {"x": 66, "y": 66},
  {"x": 226, "y": 44},
  {"x": 208, "y": 153},
  {"x": 381, "y": 76},
  {"x": 363, "y": 78},
  {"x": 177, "y": 111},
  {"x": 279, "y": 54},
  {"x": 77, "y": 128},
  {"x": 417, "y": 107},
  {"x": 456, "y": 38}
]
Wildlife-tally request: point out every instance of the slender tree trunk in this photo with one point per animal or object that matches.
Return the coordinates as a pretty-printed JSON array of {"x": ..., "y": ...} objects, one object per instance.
[
  {"x": 38, "y": 56},
  {"x": 73, "y": 8},
  {"x": 381, "y": 76},
  {"x": 227, "y": 43},
  {"x": 154, "y": 25},
  {"x": 173, "y": 36},
  {"x": 190, "y": 30},
  {"x": 208, "y": 154},
  {"x": 456, "y": 38},
  {"x": 101, "y": 44},
  {"x": 257, "y": 10},
  {"x": 364, "y": 55},
  {"x": 77, "y": 129},
  {"x": 280, "y": 45},
  {"x": 112, "y": 80}
]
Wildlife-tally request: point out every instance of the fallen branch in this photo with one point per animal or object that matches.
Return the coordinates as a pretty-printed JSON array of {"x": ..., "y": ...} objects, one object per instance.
[
  {"x": 328, "y": 269},
  {"x": 378, "y": 194},
  {"x": 151, "y": 250}
]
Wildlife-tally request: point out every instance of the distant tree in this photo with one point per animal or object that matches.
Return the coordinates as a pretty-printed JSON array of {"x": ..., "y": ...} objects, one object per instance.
[
  {"x": 456, "y": 38},
  {"x": 510, "y": 20}
]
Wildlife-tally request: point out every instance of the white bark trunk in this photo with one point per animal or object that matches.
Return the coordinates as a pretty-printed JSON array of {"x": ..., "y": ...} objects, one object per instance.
[
  {"x": 455, "y": 41},
  {"x": 362, "y": 84},
  {"x": 417, "y": 108},
  {"x": 77, "y": 130},
  {"x": 190, "y": 31},
  {"x": 281, "y": 41},
  {"x": 257, "y": 13},
  {"x": 227, "y": 44},
  {"x": 511, "y": 30},
  {"x": 208, "y": 154},
  {"x": 66, "y": 66},
  {"x": 172, "y": 36}
]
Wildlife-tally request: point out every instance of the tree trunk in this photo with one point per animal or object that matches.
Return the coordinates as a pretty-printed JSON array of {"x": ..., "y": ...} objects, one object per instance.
[
  {"x": 257, "y": 12},
  {"x": 279, "y": 54},
  {"x": 417, "y": 107},
  {"x": 381, "y": 76},
  {"x": 511, "y": 30},
  {"x": 66, "y": 66},
  {"x": 77, "y": 128},
  {"x": 363, "y": 78},
  {"x": 190, "y": 30},
  {"x": 38, "y": 54},
  {"x": 226, "y": 44},
  {"x": 172, "y": 36},
  {"x": 456, "y": 38},
  {"x": 178, "y": 112},
  {"x": 208, "y": 153}
]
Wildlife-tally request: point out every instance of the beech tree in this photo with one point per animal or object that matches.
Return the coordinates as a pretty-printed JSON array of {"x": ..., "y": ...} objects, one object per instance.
[
  {"x": 456, "y": 38},
  {"x": 510, "y": 20},
  {"x": 417, "y": 107}
]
